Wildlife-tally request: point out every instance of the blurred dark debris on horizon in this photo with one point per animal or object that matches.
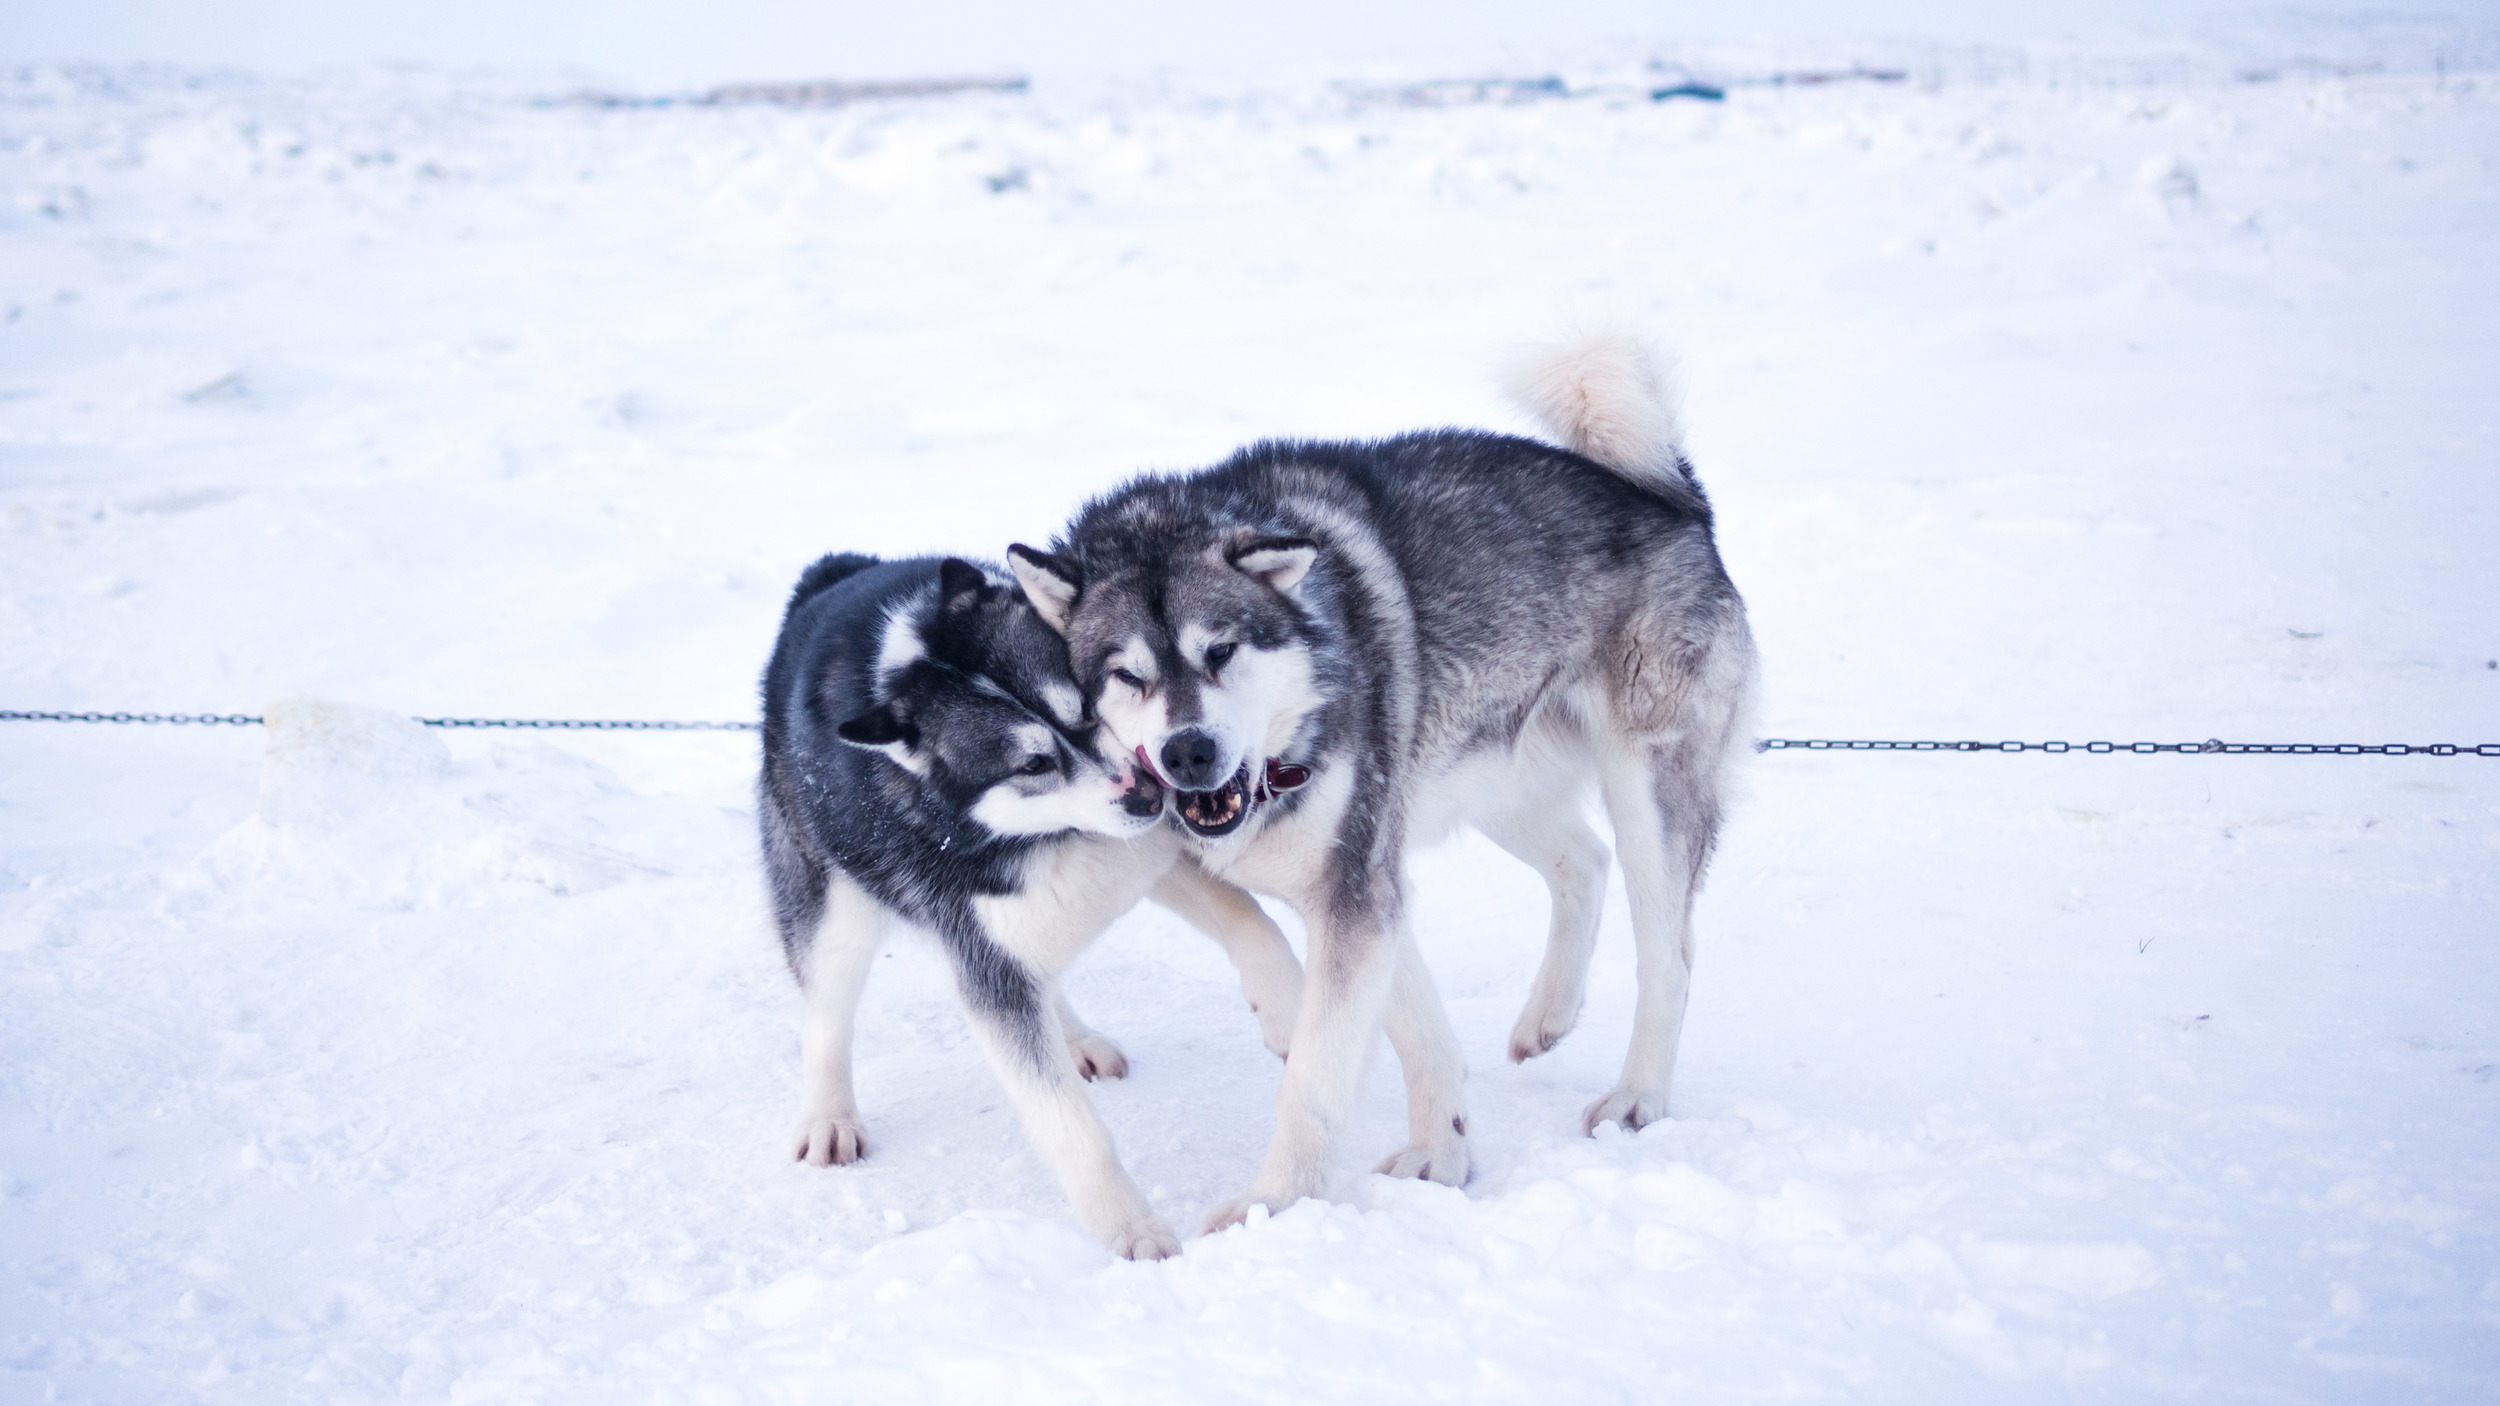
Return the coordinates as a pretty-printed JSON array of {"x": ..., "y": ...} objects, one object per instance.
[
  {"x": 1429, "y": 93},
  {"x": 1668, "y": 84},
  {"x": 2306, "y": 52},
  {"x": 820, "y": 92},
  {"x": 2321, "y": 68},
  {"x": 1462, "y": 92},
  {"x": 1817, "y": 77},
  {"x": 1709, "y": 73}
]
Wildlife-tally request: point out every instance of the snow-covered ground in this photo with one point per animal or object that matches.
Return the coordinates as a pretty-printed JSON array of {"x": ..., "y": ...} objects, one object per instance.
[{"x": 457, "y": 1067}]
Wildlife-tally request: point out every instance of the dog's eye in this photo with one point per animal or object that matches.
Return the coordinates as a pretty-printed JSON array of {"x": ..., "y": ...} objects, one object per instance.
[
  {"x": 1035, "y": 766},
  {"x": 1220, "y": 655},
  {"x": 1130, "y": 679}
]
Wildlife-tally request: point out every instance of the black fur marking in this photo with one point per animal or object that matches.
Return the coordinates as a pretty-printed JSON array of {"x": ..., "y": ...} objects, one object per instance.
[
  {"x": 878, "y": 727},
  {"x": 960, "y": 585}
]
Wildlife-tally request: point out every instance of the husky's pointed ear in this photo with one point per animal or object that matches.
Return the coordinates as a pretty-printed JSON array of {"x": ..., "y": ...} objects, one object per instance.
[
  {"x": 1050, "y": 582},
  {"x": 960, "y": 585},
  {"x": 881, "y": 729},
  {"x": 1281, "y": 562}
]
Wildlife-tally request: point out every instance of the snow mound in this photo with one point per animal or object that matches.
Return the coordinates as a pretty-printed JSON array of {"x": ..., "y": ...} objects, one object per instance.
[{"x": 368, "y": 808}]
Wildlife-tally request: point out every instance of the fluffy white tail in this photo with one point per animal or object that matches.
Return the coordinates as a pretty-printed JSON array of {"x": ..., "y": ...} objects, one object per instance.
[{"x": 1606, "y": 395}]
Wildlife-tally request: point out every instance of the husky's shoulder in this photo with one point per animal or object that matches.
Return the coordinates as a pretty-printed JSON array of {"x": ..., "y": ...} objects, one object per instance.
[
  {"x": 842, "y": 617},
  {"x": 845, "y": 590},
  {"x": 825, "y": 573}
]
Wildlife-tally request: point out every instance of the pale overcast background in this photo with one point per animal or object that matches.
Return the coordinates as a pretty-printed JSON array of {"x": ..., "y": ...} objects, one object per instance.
[{"x": 643, "y": 42}]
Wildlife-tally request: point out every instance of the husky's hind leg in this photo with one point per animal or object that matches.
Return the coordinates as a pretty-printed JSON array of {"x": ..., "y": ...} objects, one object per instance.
[
  {"x": 1679, "y": 695},
  {"x": 832, "y": 970},
  {"x": 1553, "y": 839},
  {"x": 1664, "y": 802}
]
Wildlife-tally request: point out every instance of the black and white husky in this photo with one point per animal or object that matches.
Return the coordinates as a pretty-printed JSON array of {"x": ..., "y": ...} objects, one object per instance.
[
  {"x": 927, "y": 764},
  {"x": 1336, "y": 651}
]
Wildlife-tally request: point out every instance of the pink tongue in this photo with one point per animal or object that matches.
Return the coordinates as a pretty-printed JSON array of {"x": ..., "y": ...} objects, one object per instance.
[{"x": 1149, "y": 766}]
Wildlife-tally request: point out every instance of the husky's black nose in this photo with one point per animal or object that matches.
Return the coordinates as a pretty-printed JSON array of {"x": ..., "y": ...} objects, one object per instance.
[{"x": 1189, "y": 759}]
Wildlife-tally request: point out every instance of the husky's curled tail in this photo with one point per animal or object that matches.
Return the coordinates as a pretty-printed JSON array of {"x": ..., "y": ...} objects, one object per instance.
[{"x": 1609, "y": 397}]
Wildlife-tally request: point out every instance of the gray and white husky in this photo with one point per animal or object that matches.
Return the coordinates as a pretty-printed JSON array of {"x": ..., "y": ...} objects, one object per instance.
[
  {"x": 1334, "y": 651},
  {"x": 928, "y": 765}
]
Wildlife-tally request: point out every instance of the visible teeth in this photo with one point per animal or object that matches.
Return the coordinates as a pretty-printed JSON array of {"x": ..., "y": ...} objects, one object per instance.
[{"x": 1213, "y": 808}]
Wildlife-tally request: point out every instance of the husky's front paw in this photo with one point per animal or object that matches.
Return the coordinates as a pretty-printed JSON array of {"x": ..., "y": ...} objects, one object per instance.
[
  {"x": 1147, "y": 1238},
  {"x": 1274, "y": 991},
  {"x": 1097, "y": 1058},
  {"x": 1628, "y": 1109},
  {"x": 1277, "y": 1017},
  {"x": 830, "y": 1140},
  {"x": 1446, "y": 1162},
  {"x": 1541, "y": 1026}
]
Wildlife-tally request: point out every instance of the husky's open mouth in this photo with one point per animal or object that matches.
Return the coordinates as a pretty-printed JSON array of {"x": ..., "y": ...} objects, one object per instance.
[{"x": 1212, "y": 814}]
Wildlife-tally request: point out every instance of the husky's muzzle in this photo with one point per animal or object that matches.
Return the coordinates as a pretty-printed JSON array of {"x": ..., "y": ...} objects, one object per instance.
[
  {"x": 1211, "y": 815},
  {"x": 1211, "y": 804}
]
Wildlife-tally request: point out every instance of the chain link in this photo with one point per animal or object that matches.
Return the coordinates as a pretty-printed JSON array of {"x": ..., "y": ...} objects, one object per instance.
[
  {"x": 593, "y": 724},
  {"x": 1767, "y": 744},
  {"x": 177, "y": 719},
  {"x": 251, "y": 720},
  {"x": 2210, "y": 744}
]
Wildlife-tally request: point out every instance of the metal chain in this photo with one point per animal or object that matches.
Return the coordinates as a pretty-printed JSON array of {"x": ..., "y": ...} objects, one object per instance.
[
  {"x": 1767, "y": 744},
  {"x": 204, "y": 719},
  {"x": 2211, "y": 744},
  {"x": 592, "y": 725},
  {"x": 250, "y": 720}
]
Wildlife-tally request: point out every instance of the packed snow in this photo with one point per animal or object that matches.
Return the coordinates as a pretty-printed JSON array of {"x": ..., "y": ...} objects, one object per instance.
[{"x": 2079, "y": 398}]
